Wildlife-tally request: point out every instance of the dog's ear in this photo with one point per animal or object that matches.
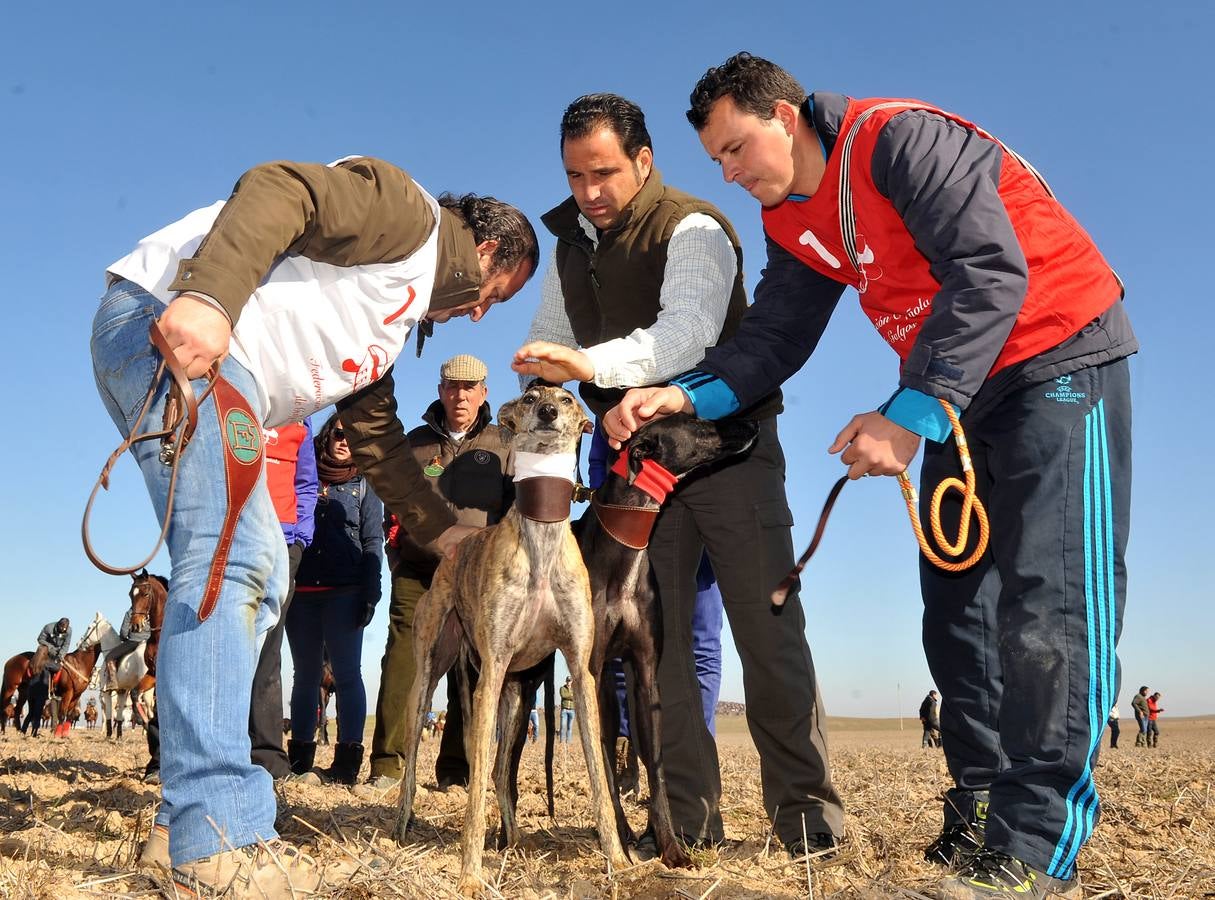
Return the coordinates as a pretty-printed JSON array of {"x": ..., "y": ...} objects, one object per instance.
[
  {"x": 506, "y": 416},
  {"x": 636, "y": 452},
  {"x": 588, "y": 427}
]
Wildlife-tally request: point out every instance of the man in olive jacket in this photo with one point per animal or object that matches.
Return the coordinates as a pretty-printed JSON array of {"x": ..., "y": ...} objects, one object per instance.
[
  {"x": 302, "y": 289},
  {"x": 464, "y": 459}
]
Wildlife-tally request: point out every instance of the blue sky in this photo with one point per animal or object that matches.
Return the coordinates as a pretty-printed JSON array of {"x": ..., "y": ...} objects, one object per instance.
[{"x": 120, "y": 119}]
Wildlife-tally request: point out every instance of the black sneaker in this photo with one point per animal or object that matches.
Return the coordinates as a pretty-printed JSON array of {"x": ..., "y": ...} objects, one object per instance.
[
  {"x": 953, "y": 845},
  {"x": 990, "y": 873},
  {"x": 822, "y": 845}
]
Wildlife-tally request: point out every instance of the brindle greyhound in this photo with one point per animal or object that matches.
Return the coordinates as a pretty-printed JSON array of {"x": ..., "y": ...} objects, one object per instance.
[
  {"x": 628, "y": 623},
  {"x": 515, "y": 592}
]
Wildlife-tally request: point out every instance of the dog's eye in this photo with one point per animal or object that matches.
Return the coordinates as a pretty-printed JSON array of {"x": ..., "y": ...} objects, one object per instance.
[
  {"x": 529, "y": 398},
  {"x": 567, "y": 400}
]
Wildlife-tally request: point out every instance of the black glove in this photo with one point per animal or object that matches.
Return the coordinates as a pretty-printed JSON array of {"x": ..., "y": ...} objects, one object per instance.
[{"x": 369, "y": 605}]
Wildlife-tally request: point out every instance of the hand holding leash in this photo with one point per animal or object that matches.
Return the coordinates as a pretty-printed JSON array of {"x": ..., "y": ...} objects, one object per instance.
[
  {"x": 874, "y": 445},
  {"x": 197, "y": 332},
  {"x": 874, "y": 449}
]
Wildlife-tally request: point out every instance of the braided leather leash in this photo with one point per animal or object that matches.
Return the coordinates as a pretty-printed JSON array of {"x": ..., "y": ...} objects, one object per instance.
[{"x": 177, "y": 427}]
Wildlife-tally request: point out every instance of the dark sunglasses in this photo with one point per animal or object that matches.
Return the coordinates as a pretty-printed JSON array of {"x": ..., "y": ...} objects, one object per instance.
[{"x": 338, "y": 434}]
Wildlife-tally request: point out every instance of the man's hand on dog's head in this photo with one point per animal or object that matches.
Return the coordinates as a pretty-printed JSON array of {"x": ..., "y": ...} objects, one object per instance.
[
  {"x": 642, "y": 405},
  {"x": 446, "y": 543},
  {"x": 554, "y": 363}
]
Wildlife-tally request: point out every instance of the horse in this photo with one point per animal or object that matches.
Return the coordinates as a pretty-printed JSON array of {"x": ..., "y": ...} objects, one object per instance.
[
  {"x": 77, "y": 670},
  {"x": 123, "y": 690},
  {"x": 90, "y": 715},
  {"x": 16, "y": 681},
  {"x": 136, "y": 673},
  {"x": 148, "y": 596}
]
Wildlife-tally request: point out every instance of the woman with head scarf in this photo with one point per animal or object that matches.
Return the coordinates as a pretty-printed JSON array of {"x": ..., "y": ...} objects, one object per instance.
[{"x": 336, "y": 592}]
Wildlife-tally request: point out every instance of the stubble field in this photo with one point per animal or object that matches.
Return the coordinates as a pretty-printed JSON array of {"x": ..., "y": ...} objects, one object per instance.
[{"x": 74, "y": 812}]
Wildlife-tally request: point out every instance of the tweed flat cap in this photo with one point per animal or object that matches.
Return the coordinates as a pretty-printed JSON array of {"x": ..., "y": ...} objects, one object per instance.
[{"x": 463, "y": 368}]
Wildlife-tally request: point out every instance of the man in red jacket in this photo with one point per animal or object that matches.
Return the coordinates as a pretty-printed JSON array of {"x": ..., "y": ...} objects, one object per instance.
[{"x": 1001, "y": 307}]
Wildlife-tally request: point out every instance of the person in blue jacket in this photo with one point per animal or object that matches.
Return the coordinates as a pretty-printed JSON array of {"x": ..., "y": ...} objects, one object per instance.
[{"x": 336, "y": 591}]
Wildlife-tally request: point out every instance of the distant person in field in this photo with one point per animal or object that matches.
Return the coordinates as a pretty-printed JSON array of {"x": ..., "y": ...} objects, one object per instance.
[
  {"x": 1154, "y": 711},
  {"x": 1112, "y": 722},
  {"x": 567, "y": 711},
  {"x": 930, "y": 718},
  {"x": 1140, "y": 705}
]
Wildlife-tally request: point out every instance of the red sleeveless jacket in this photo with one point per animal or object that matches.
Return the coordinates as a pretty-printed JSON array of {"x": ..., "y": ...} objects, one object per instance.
[
  {"x": 282, "y": 450},
  {"x": 851, "y": 233}
]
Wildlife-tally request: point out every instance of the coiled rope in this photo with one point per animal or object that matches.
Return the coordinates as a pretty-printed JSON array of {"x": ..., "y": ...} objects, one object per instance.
[{"x": 972, "y": 507}]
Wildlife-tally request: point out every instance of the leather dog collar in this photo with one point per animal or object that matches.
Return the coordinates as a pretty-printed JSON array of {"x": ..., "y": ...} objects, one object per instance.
[
  {"x": 545, "y": 498},
  {"x": 628, "y": 525}
]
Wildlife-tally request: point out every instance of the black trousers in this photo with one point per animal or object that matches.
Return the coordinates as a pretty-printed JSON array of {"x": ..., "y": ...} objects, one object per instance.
[
  {"x": 1022, "y": 646},
  {"x": 39, "y": 690},
  {"x": 266, "y": 702},
  {"x": 739, "y": 513}
]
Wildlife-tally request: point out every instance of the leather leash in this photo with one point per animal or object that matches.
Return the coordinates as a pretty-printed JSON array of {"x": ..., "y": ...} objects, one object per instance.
[
  {"x": 180, "y": 415},
  {"x": 781, "y": 594}
]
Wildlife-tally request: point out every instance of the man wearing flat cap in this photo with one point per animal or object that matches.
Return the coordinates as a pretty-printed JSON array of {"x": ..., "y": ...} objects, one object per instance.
[{"x": 463, "y": 456}]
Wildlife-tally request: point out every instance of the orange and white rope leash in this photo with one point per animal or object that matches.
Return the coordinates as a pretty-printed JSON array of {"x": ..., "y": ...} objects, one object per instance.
[{"x": 972, "y": 506}]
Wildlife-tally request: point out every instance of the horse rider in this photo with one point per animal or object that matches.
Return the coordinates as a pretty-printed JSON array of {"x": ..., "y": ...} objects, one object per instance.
[
  {"x": 56, "y": 637},
  {"x": 131, "y": 640}
]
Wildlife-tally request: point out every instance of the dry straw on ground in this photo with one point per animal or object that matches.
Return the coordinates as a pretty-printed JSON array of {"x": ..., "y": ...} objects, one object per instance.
[{"x": 74, "y": 813}]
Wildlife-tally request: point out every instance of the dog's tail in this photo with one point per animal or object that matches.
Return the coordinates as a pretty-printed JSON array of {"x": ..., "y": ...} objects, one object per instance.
[{"x": 550, "y": 730}]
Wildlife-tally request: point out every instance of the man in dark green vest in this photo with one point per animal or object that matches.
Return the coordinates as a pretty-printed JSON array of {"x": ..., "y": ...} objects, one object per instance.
[{"x": 643, "y": 279}]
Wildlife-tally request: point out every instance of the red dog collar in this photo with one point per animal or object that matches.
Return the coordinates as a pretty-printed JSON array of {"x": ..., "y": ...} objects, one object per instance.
[{"x": 653, "y": 478}]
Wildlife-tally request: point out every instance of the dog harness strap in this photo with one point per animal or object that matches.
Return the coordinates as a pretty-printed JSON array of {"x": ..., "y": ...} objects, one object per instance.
[
  {"x": 545, "y": 498},
  {"x": 627, "y": 525},
  {"x": 242, "y": 441},
  {"x": 653, "y": 478}
]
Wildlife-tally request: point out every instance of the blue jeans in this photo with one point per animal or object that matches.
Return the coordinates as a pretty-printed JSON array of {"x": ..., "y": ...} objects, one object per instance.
[
  {"x": 533, "y": 719},
  {"x": 214, "y": 797},
  {"x": 316, "y": 621},
  {"x": 567, "y": 725}
]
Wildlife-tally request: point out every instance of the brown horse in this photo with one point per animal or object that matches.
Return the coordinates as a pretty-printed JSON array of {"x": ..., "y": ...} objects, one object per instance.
[
  {"x": 77, "y": 670},
  {"x": 16, "y": 681},
  {"x": 148, "y": 596},
  {"x": 90, "y": 715}
]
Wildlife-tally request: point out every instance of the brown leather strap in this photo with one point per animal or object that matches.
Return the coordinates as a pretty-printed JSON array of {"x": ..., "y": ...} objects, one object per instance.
[
  {"x": 628, "y": 525},
  {"x": 781, "y": 594},
  {"x": 241, "y": 436},
  {"x": 544, "y": 498},
  {"x": 180, "y": 414}
]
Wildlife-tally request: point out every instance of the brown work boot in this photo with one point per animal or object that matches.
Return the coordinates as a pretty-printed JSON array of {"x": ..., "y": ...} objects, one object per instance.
[
  {"x": 155, "y": 853},
  {"x": 266, "y": 871},
  {"x": 111, "y": 672}
]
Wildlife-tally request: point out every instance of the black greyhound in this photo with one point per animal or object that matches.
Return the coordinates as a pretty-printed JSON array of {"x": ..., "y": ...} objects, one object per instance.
[{"x": 613, "y": 538}]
